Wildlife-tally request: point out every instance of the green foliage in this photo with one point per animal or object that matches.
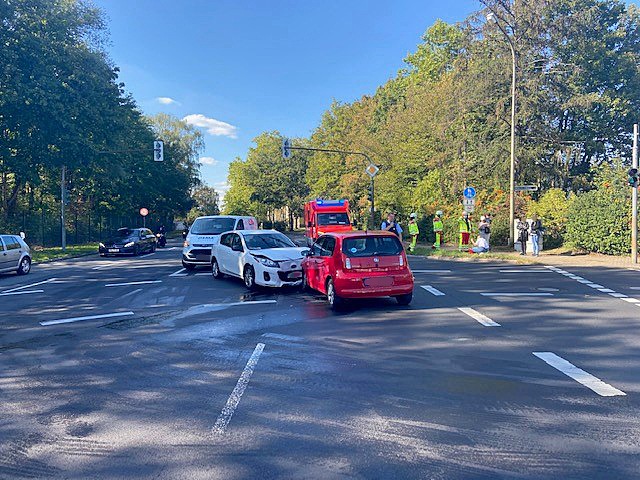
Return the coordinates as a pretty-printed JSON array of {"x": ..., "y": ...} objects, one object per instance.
[
  {"x": 600, "y": 220},
  {"x": 552, "y": 208}
]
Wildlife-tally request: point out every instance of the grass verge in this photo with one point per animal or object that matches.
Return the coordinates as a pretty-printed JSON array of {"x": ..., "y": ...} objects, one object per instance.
[{"x": 40, "y": 254}]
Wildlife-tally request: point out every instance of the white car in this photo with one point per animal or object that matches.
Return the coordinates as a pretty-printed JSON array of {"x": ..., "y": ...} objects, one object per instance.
[
  {"x": 259, "y": 257},
  {"x": 205, "y": 232}
]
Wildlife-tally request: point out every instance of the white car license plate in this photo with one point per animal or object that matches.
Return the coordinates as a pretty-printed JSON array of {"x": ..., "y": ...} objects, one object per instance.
[{"x": 114, "y": 250}]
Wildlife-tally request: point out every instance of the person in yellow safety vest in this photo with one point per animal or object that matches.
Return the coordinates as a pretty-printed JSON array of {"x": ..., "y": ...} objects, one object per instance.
[
  {"x": 438, "y": 229},
  {"x": 414, "y": 231},
  {"x": 464, "y": 228}
]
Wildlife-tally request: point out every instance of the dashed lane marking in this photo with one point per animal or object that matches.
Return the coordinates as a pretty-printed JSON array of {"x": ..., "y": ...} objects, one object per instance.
[
  {"x": 631, "y": 300},
  {"x": 147, "y": 255},
  {"x": 90, "y": 317},
  {"x": 594, "y": 383},
  {"x": 132, "y": 283},
  {"x": 21, "y": 292},
  {"x": 137, "y": 290},
  {"x": 618, "y": 295},
  {"x": 204, "y": 274},
  {"x": 515, "y": 294},
  {"x": 234, "y": 399},
  {"x": 30, "y": 285},
  {"x": 432, "y": 290},
  {"x": 430, "y": 271},
  {"x": 480, "y": 318},
  {"x": 513, "y": 270},
  {"x": 606, "y": 290}
]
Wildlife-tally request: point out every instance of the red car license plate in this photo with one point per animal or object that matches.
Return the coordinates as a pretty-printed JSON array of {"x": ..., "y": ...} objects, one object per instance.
[{"x": 378, "y": 282}]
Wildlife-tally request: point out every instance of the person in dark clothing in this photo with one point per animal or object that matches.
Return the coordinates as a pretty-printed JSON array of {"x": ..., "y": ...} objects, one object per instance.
[
  {"x": 523, "y": 236},
  {"x": 536, "y": 232}
]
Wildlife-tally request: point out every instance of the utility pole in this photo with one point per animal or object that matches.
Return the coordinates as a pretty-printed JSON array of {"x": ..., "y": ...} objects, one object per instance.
[
  {"x": 373, "y": 209},
  {"x": 63, "y": 188},
  {"x": 634, "y": 201}
]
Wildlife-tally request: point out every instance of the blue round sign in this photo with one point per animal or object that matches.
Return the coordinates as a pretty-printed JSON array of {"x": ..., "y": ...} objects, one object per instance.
[{"x": 469, "y": 192}]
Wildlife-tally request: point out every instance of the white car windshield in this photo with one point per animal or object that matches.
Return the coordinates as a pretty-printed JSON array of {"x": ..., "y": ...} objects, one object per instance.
[
  {"x": 212, "y": 226},
  {"x": 267, "y": 240}
]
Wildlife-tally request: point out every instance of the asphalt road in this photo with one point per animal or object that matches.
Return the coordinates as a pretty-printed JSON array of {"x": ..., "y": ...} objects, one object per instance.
[{"x": 190, "y": 377}]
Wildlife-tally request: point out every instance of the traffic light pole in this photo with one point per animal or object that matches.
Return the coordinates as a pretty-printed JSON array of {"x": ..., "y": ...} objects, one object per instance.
[
  {"x": 373, "y": 209},
  {"x": 634, "y": 201},
  {"x": 63, "y": 229}
]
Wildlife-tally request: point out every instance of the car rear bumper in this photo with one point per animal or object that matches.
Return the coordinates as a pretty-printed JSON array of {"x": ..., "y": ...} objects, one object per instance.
[{"x": 349, "y": 285}]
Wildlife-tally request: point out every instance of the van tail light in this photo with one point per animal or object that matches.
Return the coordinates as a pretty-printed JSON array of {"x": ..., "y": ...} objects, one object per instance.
[
  {"x": 347, "y": 263},
  {"x": 401, "y": 261}
]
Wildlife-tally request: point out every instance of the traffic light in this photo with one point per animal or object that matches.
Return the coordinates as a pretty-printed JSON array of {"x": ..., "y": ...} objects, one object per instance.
[
  {"x": 370, "y": 194},
  {"x": 633, "y": 177}
]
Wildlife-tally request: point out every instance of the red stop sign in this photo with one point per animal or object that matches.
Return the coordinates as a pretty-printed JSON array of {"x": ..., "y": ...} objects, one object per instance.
[{"x": 144, "y": 212}]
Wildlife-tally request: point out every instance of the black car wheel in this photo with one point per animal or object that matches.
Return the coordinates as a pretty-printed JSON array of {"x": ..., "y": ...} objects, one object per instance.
[
  {"x": 404, "y": 299},
  {"x": 215, "y": 270},
  {"x": 249, "y": 277},
  {"x": 25, "y": 266},
  {"x": 335, "y": 302}
]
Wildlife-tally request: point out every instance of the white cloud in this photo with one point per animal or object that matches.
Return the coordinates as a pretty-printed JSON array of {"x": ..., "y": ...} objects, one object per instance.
[
  {"x": 214, "y": 127},
  {"x": 166, "y": 101},
  {"x": 208, "y": 161}
]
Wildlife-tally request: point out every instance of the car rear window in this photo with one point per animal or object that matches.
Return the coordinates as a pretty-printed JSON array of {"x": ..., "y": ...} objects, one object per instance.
[
  {"x": 333, "y": 219},
  {"x": 212, "y": 226},
  {"x": 371, "y": 246}
]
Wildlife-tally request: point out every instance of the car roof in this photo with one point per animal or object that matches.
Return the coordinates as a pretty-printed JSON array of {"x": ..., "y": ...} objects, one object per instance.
[
  {"x": 235, "y": 217},
  {"x": 361, "y": 233}
]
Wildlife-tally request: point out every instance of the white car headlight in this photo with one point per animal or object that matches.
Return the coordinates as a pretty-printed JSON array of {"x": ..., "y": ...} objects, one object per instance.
[
  {"x": 130, "y": 244},
  {"x": 102, "y": 245},
  {"x": 267, "y": 262}
]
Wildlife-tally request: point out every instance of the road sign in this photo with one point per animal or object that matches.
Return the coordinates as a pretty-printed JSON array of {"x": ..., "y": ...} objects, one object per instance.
[
  {"x": 469, "y": 201},
  {"x": 144, "y": 212},
  {"x": 158, "y": 151},
  {"x": 372, "y": 170},
  {"x": 469, "y": 192},
  {"x": 526, "y": 188},
  {"x": 469, "y": 208},
  {"x": 286, "y": 148}
]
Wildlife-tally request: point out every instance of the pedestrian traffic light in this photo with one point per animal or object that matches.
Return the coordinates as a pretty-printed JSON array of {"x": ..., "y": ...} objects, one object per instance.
[{"x": 633, "y": 177}]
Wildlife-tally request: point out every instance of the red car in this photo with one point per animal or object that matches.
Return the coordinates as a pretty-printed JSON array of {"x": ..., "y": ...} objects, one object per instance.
[{"x": 358, "y": 265}]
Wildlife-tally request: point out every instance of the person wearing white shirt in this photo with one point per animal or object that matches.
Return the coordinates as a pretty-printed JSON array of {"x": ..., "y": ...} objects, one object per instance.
[{"x": 481, "y": 246}]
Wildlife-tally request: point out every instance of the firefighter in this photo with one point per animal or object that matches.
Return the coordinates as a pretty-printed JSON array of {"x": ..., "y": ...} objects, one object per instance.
[
  {"x": 438, "y": 229},
  {"x": 414, "y": 231},
  {"x": 464, "y": 228}
]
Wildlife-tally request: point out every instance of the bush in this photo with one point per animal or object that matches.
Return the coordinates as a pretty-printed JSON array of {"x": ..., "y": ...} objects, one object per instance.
[
  {"x": 600, "y": 221},
  {"x": 552, "y": 208}
]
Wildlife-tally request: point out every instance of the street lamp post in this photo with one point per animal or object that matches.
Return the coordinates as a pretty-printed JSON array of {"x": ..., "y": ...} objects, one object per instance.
[{"x": 512, "y": 163}]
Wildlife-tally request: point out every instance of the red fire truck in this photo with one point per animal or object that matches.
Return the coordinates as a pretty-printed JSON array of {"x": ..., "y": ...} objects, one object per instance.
[{"x": 324, "y": 216}]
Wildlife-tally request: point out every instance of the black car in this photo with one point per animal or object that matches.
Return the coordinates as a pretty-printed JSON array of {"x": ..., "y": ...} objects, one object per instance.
[{"x": 128, "y": 241}]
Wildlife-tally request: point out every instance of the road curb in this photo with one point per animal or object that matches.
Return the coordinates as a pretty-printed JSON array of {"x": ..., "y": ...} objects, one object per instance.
[{"x": 80, "y": 255}]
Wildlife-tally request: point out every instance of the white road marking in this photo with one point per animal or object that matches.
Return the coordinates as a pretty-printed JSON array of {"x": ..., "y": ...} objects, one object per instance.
[
  {"x": 21, "y": 292},
  {"x": 132, "y": 283},
  {"x": 137, "y": 290},
  {"x": 432, "y": 290},
  {"x": 584, "y": 281},
  {"x": 80, "y": 319},
  {"x": 630, "y": 300},
  {"x": 147, "y": 255},
  {"x": 484, "y": 320},
  {"x": 634, "y": 288},
  {"x": 594, "y": 285},
  {"x": 513, "y": 270},
  {"x": 234, "y": 399},
  {"x": 30, "y": 285},
  {"x": 618, "y": 295},
  {"x": 431, "y": 271},
  {"x": 523, "y": 294},
  {"x": 280, "y": 336},
  {"x": 179, "y": 273},
  {"x": 202, "y": 274},
  {"x": 605, "y": 290},
  {"x": 579, "y": 375}
]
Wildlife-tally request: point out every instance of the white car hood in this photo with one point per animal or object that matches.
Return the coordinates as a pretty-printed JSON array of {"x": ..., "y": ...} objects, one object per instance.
[{"x": 280, "y": 254}]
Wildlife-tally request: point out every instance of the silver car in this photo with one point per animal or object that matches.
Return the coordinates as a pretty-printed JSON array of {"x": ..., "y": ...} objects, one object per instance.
[{"x": 15, "y": 255}]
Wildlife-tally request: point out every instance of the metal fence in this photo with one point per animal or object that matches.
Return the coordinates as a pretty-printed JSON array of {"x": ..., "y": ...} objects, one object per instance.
[{"x": 43, "y": 226}]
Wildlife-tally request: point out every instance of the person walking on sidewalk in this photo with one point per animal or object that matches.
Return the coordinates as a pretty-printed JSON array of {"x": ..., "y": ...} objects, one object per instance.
[
  {"x": 438, "y": 229},
  {"x": 464, "y": 227},
  {"x": 414, "y": 231},
  {"x": 523, "y": 236},
  {"x": 536, "y": 232}
]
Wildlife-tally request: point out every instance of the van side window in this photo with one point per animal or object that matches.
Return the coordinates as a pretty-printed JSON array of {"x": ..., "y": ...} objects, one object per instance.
[{"x": 240, "y": 225}]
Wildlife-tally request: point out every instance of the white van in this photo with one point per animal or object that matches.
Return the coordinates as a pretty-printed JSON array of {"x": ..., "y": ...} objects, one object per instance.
[{"x": 205, "y": 232}]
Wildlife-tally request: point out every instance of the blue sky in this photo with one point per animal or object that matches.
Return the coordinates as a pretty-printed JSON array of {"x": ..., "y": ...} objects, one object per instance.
[{"x": 237, "y": 68}]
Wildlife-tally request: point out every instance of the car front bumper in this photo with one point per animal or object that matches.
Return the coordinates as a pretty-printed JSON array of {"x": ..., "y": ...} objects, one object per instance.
[
  {"x": 116, "y": 250},
  {"x": 196, "y": 255},
  {"x": 277, "y": 277}
]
